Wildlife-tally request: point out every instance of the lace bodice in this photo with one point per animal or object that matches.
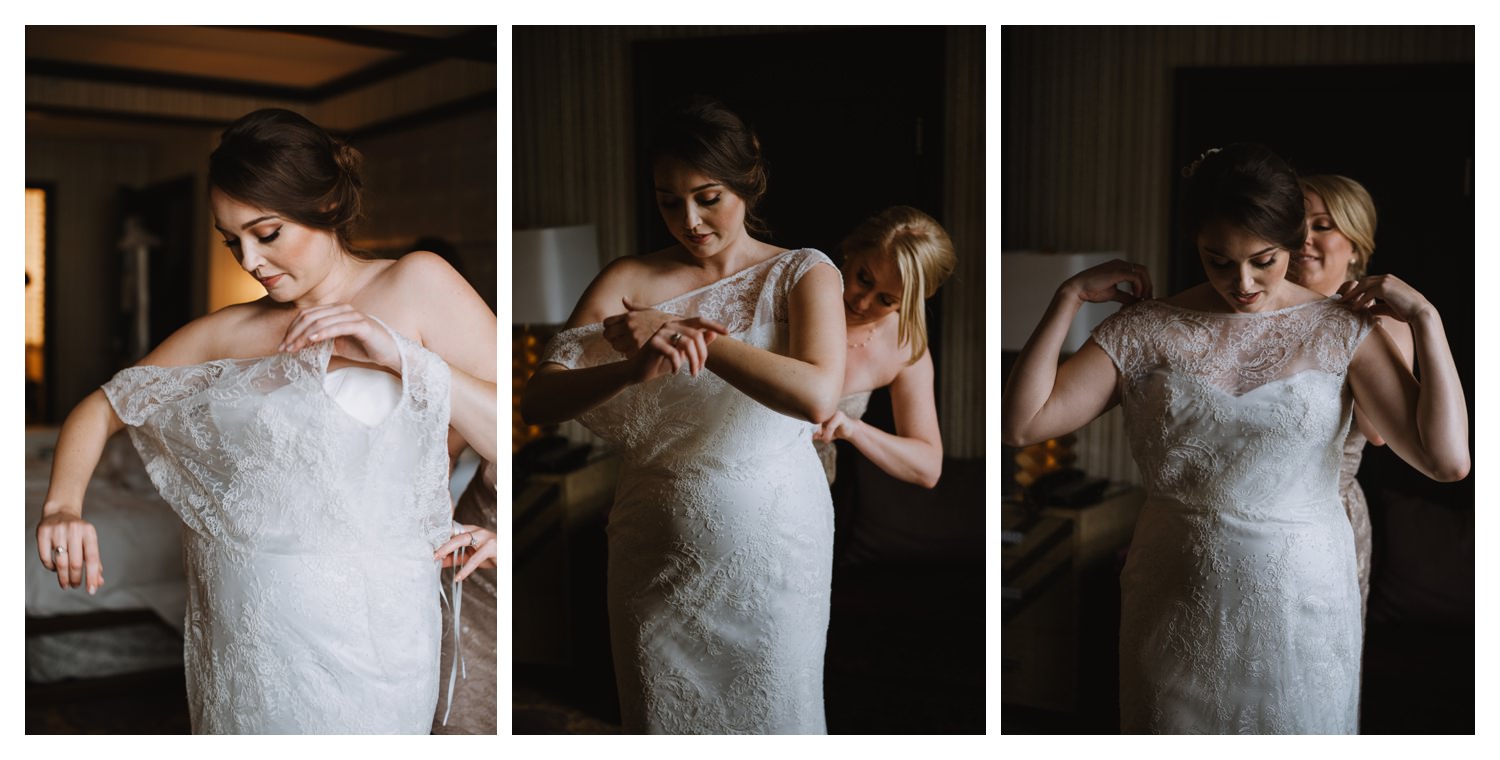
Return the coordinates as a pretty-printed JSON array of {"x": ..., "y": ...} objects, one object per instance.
[
  {"x": 1240, "y": 604},
  {"x": 313, "y": 598},
  {"x": 721, "y": 533},
  {"x": 1232, "y": 409},
  {"x": 668, "y": 421}
]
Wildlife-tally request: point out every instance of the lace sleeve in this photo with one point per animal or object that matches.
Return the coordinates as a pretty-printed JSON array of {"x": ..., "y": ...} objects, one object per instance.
[
  {"x": 1338, "y": 334},
  {"x": 1123, "y": 337},
  {"x": 138, "y": 392},
  {"x": 806, "y": 260},
  {"x": 580, "y": 347},
  {"x": 425, "y": 376}
]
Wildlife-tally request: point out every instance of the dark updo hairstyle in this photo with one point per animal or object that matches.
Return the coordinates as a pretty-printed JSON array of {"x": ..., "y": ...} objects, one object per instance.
[
  {"x": 1248, "y": 186},
  {"x": 277, "y": 160},
  {"x": 707, "y": 136}
]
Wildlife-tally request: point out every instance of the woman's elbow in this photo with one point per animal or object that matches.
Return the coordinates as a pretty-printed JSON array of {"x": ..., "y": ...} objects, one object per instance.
[
  {"x": 1451, "y": 472},
  {"x": 1015, "y": 435},
  {"x": 819, "y": 401},
  {"x": 817, "y": 410},
  {"x": 928, "y": 477}
]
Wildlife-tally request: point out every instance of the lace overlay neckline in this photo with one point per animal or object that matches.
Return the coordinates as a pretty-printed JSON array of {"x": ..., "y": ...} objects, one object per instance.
[{"x": 726, "y": 279}]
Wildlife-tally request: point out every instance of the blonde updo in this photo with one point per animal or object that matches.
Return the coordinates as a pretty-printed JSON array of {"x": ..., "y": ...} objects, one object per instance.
[
  {"x": 924, "y": 255},
  {"x": 1353, "y": 212}
]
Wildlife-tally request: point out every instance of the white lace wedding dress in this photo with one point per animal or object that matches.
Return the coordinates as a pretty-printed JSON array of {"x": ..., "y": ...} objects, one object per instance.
[
  {"x": 721, "y": 534},
  {"x": 313, "y": 598},
  {"x": 1241, "y": 608}
]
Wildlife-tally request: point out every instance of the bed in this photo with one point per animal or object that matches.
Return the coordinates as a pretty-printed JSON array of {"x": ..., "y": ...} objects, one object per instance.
[{"x": 134, "y": 622}]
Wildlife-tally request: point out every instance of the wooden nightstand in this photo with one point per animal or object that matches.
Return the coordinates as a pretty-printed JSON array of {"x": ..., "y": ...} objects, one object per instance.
[
  {"x": 1060, "y": 607},
  {"x": 558, "y": 560}
]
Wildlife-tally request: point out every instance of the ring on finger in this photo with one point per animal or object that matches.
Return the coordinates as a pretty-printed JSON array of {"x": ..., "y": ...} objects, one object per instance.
[
  {"x": 676, "y": 337},
  {"x": 472, "y": 543},
  {"x": 60, "y": 549}
]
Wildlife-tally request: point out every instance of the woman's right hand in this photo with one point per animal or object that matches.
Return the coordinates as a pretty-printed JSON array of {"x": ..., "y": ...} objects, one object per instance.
[
  {"x": 674, "y": 344},
  {"x": 69, "y": 546},
  {"x": 629, "y": 331},
  {"x": 1099, "y": 283}
]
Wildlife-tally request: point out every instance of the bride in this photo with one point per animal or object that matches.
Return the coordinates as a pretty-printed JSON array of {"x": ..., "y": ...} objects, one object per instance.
[
  {"x": 302, "y": 438},
  {"x": 721, "y": 534},
  {"x": 1240, "y": 607}
]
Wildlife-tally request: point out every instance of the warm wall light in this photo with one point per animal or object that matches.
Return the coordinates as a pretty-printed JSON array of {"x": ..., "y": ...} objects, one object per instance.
[
  {"x": 36, "y": 281},
  {"x": 550, "y": 269}
]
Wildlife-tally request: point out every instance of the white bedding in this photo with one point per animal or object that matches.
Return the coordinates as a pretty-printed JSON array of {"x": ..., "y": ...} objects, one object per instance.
[{"x": 139, "y": 537}]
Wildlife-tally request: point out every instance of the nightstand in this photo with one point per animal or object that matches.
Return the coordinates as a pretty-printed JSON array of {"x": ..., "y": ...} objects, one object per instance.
[
  {"x": 1060, "y": 602},
  {"x": 558, "y": 560}
]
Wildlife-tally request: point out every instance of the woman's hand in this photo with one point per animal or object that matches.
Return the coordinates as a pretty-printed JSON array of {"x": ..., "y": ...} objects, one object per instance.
[
  {"x": 69, "y": 546},
  {"x": 1098, "y": 284},
  {"x": 481, "y": 543},
  {"x": 355, "y": 335},
  {"x": 628, "y": 332},
  {"x": 675, "y": 343},
  {"x": 837, "y": 427},
  {"x": 1385, "y": 295}
]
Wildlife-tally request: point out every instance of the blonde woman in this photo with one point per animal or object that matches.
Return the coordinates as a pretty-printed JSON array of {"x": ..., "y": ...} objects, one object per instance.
[
  {"x": 1340, "y": 241},
  {"x": 893, "y": 263}
]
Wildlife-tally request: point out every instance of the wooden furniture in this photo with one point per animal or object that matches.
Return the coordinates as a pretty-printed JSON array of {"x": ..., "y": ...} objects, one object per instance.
[
  {"x": 1060, "y": 602},
  {"x": 558, "y": 543}
]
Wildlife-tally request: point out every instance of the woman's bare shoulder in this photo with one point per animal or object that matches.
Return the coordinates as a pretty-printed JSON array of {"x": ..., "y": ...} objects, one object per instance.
[
  {"x": 238, "y": 331},
  {"x": 422, "y": 296}
]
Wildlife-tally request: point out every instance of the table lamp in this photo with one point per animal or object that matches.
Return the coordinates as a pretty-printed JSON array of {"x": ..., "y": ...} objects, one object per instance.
[
  {"x": 1028, "y": 280},
  {"x": 550, "y": 269}
]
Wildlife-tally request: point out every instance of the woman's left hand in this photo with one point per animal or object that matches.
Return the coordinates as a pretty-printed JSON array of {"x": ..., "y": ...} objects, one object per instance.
[
  {"x": 837, "y": 427},
  {"x": 481, "y": 543},
  {"x": 355, "y": 335},
  {"x": 1386, "y": 295},
  {"x": 629, "y": 331}
]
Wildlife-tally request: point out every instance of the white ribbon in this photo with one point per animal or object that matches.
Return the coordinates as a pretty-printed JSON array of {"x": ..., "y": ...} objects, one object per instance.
[{"x": 457, "y": 588}]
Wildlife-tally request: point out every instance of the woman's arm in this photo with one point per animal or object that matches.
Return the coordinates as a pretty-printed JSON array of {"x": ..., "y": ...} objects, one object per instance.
[
  {"x": 456, "y": 324},
  {"x": 1043, "y": 400},
  {"x": 805, "y": 383},
  {"x": 1426, "y": 423},
  {"x": 915, "y": 453},
  {"x": 79, "y": 445},
  {"x": 1400, "y": 332},
  {"x": 556, "y": 393}
]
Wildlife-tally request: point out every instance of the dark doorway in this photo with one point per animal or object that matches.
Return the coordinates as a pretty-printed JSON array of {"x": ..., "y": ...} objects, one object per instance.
[
  {"x": 1407, "y": 134},
  {"x": 165, "y": 212},
  {"x": 850, "y": 121}
]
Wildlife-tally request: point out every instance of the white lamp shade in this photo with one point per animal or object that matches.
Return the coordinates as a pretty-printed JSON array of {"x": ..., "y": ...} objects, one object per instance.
[
  {"x": 1028, "y": 280},
  {"x": 550, "y": 268}
]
